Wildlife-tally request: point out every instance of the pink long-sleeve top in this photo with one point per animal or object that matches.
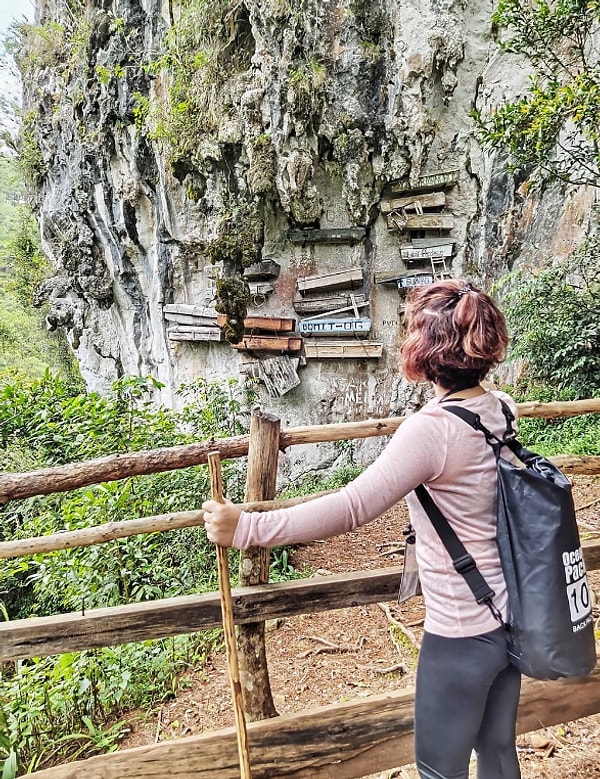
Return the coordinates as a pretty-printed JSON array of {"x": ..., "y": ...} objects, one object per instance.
[{"x": 432, "y": 447}]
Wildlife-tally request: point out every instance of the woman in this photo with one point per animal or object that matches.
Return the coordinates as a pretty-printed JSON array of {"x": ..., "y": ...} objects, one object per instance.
[{"x": 466, "y": 691}]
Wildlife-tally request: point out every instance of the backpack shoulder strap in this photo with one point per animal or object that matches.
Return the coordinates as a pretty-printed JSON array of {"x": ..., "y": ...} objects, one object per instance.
[
  {"x": 475, "y": 421},
  {"x": 463, "y": 562}
]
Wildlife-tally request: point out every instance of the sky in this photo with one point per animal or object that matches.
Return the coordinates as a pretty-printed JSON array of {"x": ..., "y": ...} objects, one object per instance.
[
  {"x": 14, "y": 9},
  {"x": 11, "y": 10}
]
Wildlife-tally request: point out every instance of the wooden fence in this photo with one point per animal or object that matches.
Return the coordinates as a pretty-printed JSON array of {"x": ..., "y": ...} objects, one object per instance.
[{"x": 348, "y": 740}]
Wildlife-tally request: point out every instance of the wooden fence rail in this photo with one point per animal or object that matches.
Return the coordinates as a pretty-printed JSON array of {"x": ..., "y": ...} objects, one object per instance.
[
  {"x": 14, "y": 486},
  {"x": 41, "y": 636},
  {"x": 344, "y": 740},
  {"x": 347, "y": 740}
]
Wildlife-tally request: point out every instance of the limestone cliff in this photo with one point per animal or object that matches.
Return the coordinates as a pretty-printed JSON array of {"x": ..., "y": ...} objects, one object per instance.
[{"x": 226, "y": 153}]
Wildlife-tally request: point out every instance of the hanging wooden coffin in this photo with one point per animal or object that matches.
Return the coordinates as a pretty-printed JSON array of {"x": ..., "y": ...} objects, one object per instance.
[
  {"x": 342, "y": 350},
  {"x": 430, "y": 181},
  {"x": 270, "y": 343},
  {"x": 269, "y": 323},
  {"x": 399, "y": 221},
  {"x": 333, "y": 235},
  {"x": 265, "y": 269},
  {"x": 415, "y": 280},
  {"x": 434, "y": 240},
  {"x": 332, "y": 326},
  {"x": 409, "y": 253},
  {"x": 333, "y": 280},
  {"x": 414, "y": 203},
  {"x": 328, "y": 302}
]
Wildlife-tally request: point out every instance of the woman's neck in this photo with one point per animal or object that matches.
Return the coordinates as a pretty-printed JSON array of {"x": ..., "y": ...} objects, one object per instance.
[{"x": 470, "y": 392}]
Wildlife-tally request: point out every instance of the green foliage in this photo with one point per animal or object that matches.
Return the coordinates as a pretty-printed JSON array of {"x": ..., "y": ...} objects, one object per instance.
[
  {"x": 25, "y": 345},
  {"x": 203, "y": 49},
  {"x": 59, "y": 708},
  {"x": 305, "y": 89},
  {"x": 62, "y": 708},
  {"x": 554, "y": 127},
  {"x": 29, "y": 265},
  {"x": 573, "y": 435},
  {"x": 31, "y": 160},
  {"x": 312, "y": 482},
  {"x": 554, "y": 318}
]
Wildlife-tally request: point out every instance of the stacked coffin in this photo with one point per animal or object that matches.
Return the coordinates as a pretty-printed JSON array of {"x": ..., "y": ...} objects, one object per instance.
[{"x": 191, "y": 323}]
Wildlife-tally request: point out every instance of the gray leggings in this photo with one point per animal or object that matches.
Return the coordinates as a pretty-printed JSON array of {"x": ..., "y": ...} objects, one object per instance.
[{"x": 466, "y": 698}]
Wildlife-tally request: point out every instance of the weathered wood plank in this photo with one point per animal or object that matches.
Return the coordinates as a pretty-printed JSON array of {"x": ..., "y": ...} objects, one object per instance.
[
  {"x": 262, "y": 270},
  {"x": 189, "y": 319},
  {"x": 430, "y": 181},
  {"x": 15, "y": 486},
  {"x": 396, "y": 221},
  {"x": 342, "y": 739},
  {"x": 329, "y": 302},
  {"x": 41, "y": 636},
  {"x": 187, "y": 309},
  {"x": 269, "y": 323},
  {"x": 335, "y": 279},
  {"x": 431, "y": 200},
  {"x": 334, "y": 235},
  {"x": 269, "y": 343},
  {"x": 424, "y": 253},
  {"x": 329, "y": 326},
  {"x": 349, "y": 350},
  {"x": 188, "y": 333}
]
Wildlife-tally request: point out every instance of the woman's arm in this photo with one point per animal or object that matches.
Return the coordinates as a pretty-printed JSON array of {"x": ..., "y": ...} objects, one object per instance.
[{"x": 415, "y": 454}]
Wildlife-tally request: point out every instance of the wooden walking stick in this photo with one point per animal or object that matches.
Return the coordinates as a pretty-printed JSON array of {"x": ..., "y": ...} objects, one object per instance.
[{"x": 216, "y": 489}]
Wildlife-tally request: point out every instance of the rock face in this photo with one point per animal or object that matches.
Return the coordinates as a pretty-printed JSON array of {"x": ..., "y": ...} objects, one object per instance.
[{"x": 178, "y": 149}]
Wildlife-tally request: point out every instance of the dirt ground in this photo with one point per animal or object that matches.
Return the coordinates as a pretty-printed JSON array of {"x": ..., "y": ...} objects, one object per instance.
[{"x": 351, "y": 653}]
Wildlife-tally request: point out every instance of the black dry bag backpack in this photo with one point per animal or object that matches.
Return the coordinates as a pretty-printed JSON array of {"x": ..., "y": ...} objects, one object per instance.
[{"x": 550, "y": 627}]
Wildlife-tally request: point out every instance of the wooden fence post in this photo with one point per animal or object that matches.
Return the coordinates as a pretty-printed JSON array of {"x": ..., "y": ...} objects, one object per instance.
[{"x": 261, "y": 479}]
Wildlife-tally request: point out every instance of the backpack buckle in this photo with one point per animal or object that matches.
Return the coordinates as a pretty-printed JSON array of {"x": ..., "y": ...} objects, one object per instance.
[{"x": 463, "y": 564}]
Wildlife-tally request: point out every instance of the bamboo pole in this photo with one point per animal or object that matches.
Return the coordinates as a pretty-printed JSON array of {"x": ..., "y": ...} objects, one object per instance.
[{"x": 216, "y": 488}]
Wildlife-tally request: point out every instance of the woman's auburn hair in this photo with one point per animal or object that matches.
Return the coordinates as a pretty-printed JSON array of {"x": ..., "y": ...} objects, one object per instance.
[{"x": 456, "y": 334}]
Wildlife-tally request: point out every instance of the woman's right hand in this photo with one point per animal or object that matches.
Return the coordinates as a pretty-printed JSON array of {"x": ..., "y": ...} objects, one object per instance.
[{"x": 221, "y": 521}]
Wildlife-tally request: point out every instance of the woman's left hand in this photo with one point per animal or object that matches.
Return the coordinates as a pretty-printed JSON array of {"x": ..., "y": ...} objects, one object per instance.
[{"x": 220, "y": 521}]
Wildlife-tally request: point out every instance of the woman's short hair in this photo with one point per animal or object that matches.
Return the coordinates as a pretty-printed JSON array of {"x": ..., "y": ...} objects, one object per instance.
[{"x": 456, "y": 334}]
